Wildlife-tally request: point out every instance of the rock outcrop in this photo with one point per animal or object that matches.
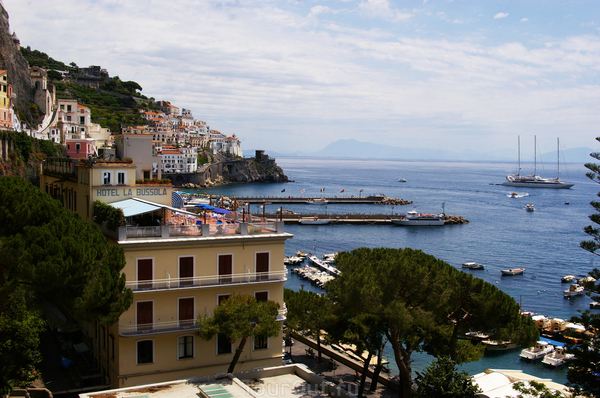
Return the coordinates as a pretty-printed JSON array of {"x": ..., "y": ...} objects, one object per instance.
[
  {"x": 394, "y": 201},
  {"x": 13, "y": 61},
  {"x": 453, "y": 219}
]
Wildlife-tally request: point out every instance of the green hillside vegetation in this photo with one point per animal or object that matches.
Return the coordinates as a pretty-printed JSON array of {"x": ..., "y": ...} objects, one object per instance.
[{"x": 113, "y": 105}]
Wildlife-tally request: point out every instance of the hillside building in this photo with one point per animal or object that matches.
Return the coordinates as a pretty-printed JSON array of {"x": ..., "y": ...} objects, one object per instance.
[{"x": 179, "y": 266}]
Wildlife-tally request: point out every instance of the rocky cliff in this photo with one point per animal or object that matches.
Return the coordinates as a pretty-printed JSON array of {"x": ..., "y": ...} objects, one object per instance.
[{"x": 18, "y": 71}]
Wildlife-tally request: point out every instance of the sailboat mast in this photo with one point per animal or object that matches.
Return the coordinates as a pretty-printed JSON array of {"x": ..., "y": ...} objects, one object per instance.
[
  {"x": 519, "y": 157},
  {"x": 557, "y": 158},
  {"x": 535, "y": 155}
]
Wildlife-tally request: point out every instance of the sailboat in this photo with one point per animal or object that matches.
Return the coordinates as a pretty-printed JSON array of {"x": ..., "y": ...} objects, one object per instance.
[{"x": 535, "y": 181}]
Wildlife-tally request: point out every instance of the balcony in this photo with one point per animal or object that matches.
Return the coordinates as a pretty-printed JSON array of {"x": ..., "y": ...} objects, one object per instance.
[
  {"x": 150, "y": 329},
  {"x": 207, "y": 281}
]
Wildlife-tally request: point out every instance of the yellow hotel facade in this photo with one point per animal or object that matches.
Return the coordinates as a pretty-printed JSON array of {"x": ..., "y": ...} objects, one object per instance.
[{"x": 177, "y": 273}]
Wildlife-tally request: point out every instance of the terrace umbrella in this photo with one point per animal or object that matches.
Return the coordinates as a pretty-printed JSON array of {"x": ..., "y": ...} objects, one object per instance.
[
  {"x": 221, "y": 211},
  {"x": 204, "y": 206}
]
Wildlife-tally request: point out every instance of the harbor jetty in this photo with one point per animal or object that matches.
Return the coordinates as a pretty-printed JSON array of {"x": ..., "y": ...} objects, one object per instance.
[{"x": 290, "y": 217}]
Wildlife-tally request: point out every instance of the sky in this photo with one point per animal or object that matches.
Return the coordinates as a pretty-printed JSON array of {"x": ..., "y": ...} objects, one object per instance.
[{"x": 294, "y": 76}]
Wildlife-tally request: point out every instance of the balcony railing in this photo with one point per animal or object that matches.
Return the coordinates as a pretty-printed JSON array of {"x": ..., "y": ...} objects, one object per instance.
[
  {"x": 147, "y": 329},
  {"x": 207, "y": 281},
  {"x": 206, "y": 230}
]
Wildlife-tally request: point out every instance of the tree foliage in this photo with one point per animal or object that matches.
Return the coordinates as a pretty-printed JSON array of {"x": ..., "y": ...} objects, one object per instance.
[
  {"x": 441, "y": 379},
  {"x": 533, "y": 389},
  {"x": 308, "y": 312},
  {"x": 56, "y": 257},
  {"x": 240, "y": 317},
  {"x": 426, "y": 304},
  {"x": 593, "y": 230}
]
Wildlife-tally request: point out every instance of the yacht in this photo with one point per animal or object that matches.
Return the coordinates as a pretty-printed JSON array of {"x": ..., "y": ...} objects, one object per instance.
[
  {"x": 414, "y": 218},
  {"x": 534, "y": 180},
  {"x": 538, "y": 351},
  {"x": 574, "y": 290},
  {"x": 557, "y": 358}
]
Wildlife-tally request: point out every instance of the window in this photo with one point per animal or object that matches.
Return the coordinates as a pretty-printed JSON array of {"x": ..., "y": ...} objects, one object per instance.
[
  {"x": 186, "y": 312},
  {"x": 62, "y": 107},
  {"x": 145, "y": 351},
  {"x": 81, "y": 119},
  {"x": 144, "y": 315},
  {"x": 69, "y": 110},
  {"x": 106, "y": 178},
  {"x": 121, "y": 178},
  {"x": 262, "y": 266},
  {"x": 225, "y": 268},
  {"x": 221, "y": 298},
  {"x": 261, "y": 296},
  {"x": 144, "y": 273},
  {"x": 185, "y": 347},
  {"x": 102, "y": 337},
  {"x": 77, "y": 147},
  {"x": 223, "y": 344},
  {"x": 68, "y": 118},
  {"x": 186, "y": 271},
  {"x": 261, "y": 342},
  {"x": 112, "y": 347}
]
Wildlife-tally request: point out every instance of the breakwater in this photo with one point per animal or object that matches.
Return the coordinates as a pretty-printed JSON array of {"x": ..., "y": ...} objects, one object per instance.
[
  {"x": 348, "y": 218},
  {"x": 324, "y": 200}
]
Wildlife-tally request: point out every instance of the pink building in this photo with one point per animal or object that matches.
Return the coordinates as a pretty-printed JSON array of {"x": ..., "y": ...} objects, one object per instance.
[{"x": 80, "y": 148}]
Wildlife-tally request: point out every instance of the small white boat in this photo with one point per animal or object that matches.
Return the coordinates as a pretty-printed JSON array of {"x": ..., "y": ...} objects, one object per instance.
[
  {"x": 469, "y": 264},
  {"x": 314, "y": 221},
  {"x": 301, "y": 254},
  {"x": 514, "y": 195},
  {"x": 291, "y": 260},
  {"x": 494, "y": 345},
  {"x": 512, "y": 271},
  {"x": 574, "y": 290},
  {"x": 317, "y": 201},
  {"x": 594, "y": 305},
  {"x": 530, "y": 207},
  {"x": 413, "y": 218},
  {"x": 477, "y": 267},
  {"x": 557, "y": 358},
  {"x": 567, "y": 278},
  {"x": 401, "y": 179},
  {"x": 541, "y": 349},
  {"x": 587, "y": 279}
]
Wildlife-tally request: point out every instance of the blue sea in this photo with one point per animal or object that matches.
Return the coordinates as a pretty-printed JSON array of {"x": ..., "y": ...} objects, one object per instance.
[{"x": 500, "y": 233}]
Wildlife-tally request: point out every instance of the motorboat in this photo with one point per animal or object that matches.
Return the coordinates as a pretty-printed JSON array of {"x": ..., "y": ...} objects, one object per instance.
[
  {"x": 477, "y": 267},
  {"x": 534, "y": 180},
  {"x": 574, "y": 290},
  {"x": 314, "y": 221},
  {"x": 291, "y": 260},
  {"x": 567, "y": 278},
  {"x": 538, "y": 351},
  {"x": 301, "y": 254},
  {"x": 477, "y": 336},
  {"x": 317, "y": 201},
  {"x": 514, "y": 195},
  {"x": 594, "y": 305},
  {"x": 557, "y": 357},
  {"x": 530, "y": 207},
  {"x": 587, "y": 279},
  {"x": 512, "y": 271},
  {"x": 401, "y": 179},
  {"x": 414, "y": 218},
  {"x": 469, "y": 264},
  {"x": 495, "y": 345}
]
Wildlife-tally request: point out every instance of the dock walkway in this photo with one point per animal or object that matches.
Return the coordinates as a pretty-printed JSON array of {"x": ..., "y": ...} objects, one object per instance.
[{"x": 371, "y": 199}]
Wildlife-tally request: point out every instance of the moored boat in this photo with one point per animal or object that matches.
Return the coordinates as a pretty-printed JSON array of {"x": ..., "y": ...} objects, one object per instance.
[
  {"x": 538, "y": 351},
  {"x": 574, "y": 290},
  {"x": 314, "y": 221},
  {"x": 477, "y": 267},
  {"x": 557, "y": 358},
  {"x": 414, "y": 218},
  {"x": 567, "y": 278},
  {"x": 469, "y": 264},
  {"x": 401, "y": 179},
  {"x": 494, "y": 345},
  {"x": 317, "y": 201},
  {"x": 530, "y": 207},
  {"x": 512, "y": 271}
]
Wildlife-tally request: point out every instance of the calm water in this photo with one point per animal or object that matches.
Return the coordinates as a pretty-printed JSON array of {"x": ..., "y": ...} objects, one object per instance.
[{"x": 501, "y": 234}]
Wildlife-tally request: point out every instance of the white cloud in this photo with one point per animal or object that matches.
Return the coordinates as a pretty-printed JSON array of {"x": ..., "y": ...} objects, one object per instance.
[
  {"x": 382, "y": 9},
  {"x": 268, "y": 73},
  {"x": 501, "y": 15},
  {"x": 524, "y": 19}
]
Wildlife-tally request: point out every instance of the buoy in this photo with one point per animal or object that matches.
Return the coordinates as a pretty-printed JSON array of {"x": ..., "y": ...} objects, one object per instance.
[{"x": 538, "y": 292}]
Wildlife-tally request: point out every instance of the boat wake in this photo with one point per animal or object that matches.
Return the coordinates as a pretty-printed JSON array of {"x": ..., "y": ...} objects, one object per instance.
[{"x": 517, "y": 195}]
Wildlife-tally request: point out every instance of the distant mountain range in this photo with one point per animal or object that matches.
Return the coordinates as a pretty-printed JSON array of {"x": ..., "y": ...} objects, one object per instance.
[{"x": 356, "y": 149}]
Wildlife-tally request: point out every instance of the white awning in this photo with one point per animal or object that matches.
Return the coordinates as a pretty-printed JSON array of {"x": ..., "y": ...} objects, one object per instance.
[{"x": 135, "y": 206}]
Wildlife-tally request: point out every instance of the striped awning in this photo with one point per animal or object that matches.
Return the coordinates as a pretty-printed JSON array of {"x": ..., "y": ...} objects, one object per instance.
[{"x": 136, "y": 206}]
